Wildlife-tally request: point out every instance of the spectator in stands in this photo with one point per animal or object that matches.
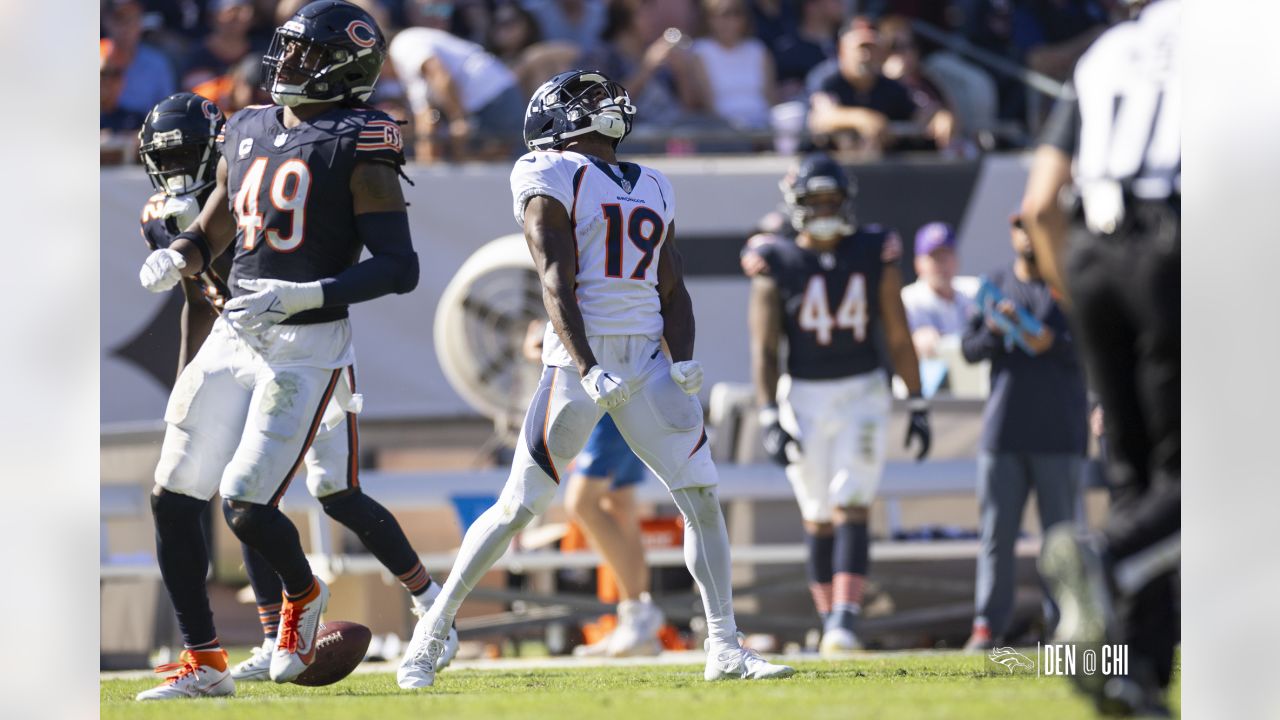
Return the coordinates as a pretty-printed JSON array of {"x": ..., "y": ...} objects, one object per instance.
[
  {"x": 580, "y": 22},
  {"x": 245, "y": 86},
  {"x": 514, "y": 39},
  {"x": 938, "y": 304},
  {"x": 855, "y": 104},
  {"x": 1033, "y": 434},
  {"x": 902, "y": 63},
  {"x": 148, "y": 76},
  {"x": 227, "y": 42},
  {"x": 656, "y": 67},
  {"x": 738, "y": 69},
  {"x": 813, "y": 41},
  {"x": 118, "y": 126},
  {"x": 458, "y": 92},
  {"x": 773, "y": 19}
]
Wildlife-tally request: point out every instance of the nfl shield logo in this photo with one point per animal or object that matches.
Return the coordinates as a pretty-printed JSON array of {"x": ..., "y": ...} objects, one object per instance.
[
  {"x": 626, "y": 186},
  {"x": 281, "y": 139}
]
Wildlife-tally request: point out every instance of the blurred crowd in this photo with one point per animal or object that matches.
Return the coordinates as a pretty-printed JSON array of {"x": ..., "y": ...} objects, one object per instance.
[{"x": 707, "y": 75}]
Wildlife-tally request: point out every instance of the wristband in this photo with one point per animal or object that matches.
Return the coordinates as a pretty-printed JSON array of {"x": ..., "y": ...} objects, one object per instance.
[{"x": 197, "y": 239}]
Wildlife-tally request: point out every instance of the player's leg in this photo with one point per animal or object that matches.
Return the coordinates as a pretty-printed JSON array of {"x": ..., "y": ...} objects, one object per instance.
[
  {"x": 664, "y": 428},
  {"x": 601, "y": 497},
  {"x": 200, "y": 436},
  {"x": 267, "y": 593},
  {"x": 333, "y": 478},
  {"x": 1003, "y": 484},
  {"x": 858, "y": 453},
  {"x": 1056, "y": 479},
  {"x": 556, "y": 426},
  {"x": 802, "y": 409},
  {"x": 285, "y": 413}
]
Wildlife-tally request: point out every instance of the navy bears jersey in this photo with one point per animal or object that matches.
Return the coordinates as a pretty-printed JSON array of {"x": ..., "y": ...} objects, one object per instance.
[
  {"x": 290, "y": 193},
  {"x": 158, "y": 232},
  {"x": 831, "y": 301}
]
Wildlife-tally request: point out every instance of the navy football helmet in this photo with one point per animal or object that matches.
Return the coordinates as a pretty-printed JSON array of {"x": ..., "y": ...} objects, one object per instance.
[
  {"x": 327, "y": 52},
  {"x": 576, "y": 103},
  {"x": 178, "y": 144},
  {"x": 816, "y": 175}
]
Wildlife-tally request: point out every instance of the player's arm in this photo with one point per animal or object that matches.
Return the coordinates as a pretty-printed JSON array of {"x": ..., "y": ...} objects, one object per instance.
[
  {"x": 197, "y": 320},
  {"x": 1043, "y": 217},
  {"x": 677, "y": 306},
  {"x": 764, "y": 319},
  {"x": 549, "y": 233},
  {"x": 382, "y": 226},
  {"x": 193, "y": 250},
  {"x": 897, "y": 334},
  {"x": 902, "y": 353}
]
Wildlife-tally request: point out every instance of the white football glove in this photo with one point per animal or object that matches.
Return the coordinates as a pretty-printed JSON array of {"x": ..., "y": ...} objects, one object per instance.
[
  {"x": 183, "y": 209},
  {"x": 272, "y": 301},
  {"x": 162, "y": 270},
  {"x": 688, "y": 375},
  {"x": 605, "y": 388}
]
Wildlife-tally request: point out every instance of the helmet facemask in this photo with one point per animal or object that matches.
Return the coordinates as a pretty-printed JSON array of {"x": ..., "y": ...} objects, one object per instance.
[
  {"x": 177, "y": 168},
  {"x": 823, "y": 209}
]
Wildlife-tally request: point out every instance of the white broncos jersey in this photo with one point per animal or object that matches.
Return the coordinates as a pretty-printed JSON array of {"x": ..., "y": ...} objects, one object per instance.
[{"x": 621, "y": 215}]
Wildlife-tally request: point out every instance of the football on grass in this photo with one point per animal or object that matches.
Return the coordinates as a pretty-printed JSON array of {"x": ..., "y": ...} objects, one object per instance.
[{"x": 340, "y": 647}]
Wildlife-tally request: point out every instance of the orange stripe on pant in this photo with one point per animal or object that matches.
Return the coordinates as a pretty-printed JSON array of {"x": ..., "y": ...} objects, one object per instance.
[{"x": 311, "y": 436}]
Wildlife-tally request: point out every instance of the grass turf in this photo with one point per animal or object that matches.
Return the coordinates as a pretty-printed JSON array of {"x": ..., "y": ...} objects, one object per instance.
[{"x": 929, "y": 686}]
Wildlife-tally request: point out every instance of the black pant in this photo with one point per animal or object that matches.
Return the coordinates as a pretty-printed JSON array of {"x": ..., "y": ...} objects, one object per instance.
[{"x": 1126, "y": 291}]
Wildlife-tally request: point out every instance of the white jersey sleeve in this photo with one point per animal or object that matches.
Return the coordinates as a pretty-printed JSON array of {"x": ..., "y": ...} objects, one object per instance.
[{"x": 541, "y": 173}]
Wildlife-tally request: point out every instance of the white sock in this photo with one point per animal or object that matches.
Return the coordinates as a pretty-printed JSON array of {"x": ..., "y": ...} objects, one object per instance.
[
  {"x": 706, "y": 552},
  {"x": 486, "y": 540}
]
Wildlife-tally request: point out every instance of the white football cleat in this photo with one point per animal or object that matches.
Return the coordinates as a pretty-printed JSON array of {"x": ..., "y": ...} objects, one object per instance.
[
  {"x": 258, "y": 667},
  {"x": 193, "y": 679},
  {"x": 637, "y": 633},
  {"x": 450, "y": 641},
  {"x": 599, "y": 648},
  {"x": 739, "y": 663},
  {"x": 838, "y": 642},
  {"x": 299, "y": 624},
  {"x": 421, "y": 659}
]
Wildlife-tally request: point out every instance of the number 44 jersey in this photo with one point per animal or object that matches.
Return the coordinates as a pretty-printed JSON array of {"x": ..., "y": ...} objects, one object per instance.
[
  {"x": 290, "y": 193},
  {"x": 831, "y": 301},
  {"x": 621, "y": 215}
]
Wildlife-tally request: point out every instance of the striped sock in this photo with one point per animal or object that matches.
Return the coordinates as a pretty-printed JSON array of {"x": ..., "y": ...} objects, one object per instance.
[
  {"x": 822, "y": 596},
  {"x": 269, "y": 616},
  {"x": 416, "y": 580},
  {"x": 205, "y": 647},
  {"x": 310, "y": 589},
  {"x": 847, "y": 591}
]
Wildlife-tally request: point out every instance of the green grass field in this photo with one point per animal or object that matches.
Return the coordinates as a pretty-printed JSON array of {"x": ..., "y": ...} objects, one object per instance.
[{"x": 925, "y": 686}]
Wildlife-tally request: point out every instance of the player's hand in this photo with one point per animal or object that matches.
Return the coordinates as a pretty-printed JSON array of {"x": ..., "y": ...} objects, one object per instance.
[
  {"x": 688, "y": 375},
  {"x": 778, "y": 443},
  {"x": 162, "y": 270},
  {"x": 605, "y": 388},
  {"x": 918, "y": 426},
  {"x": 271, "y": 302}
]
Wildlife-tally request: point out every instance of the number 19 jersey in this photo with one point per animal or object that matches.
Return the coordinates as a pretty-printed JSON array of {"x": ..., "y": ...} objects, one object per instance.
[
  {"x": 620, "y": 214},
  {"x": 831, "y": 301}
]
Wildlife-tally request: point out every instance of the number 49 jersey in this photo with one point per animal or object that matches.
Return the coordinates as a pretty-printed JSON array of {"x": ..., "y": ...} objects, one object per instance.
[
  {"x": 621, "y": 215},
  {"x": 290, "y": 192},
  {"x": 831, "y": 301}
]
